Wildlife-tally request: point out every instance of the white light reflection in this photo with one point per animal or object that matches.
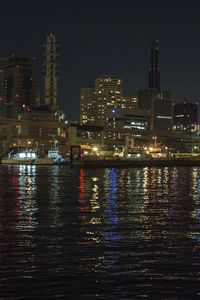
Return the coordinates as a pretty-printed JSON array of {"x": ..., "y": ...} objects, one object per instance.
[
  {"x": 54, "y": 194},
  {"x": 27, "y": 202},
  {"x": 95, "y": 207},
  {"x": 195, "y": 193}
]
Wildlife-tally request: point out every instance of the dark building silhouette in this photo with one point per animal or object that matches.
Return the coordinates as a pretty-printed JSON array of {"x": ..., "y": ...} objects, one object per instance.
[
  {"x": 185, "y": 116},
  {"x": 161, "y": 115},
  {"x": 154, "y": 100},
  {"x": 17, "y": 85},
  {"x": 154, "y": 72},
  {"x": 88, "y": 108},
  {"x": 145, "y": 96}
]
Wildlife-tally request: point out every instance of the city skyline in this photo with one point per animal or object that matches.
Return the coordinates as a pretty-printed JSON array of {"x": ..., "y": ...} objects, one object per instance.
[{"x": 112, "y": 39}]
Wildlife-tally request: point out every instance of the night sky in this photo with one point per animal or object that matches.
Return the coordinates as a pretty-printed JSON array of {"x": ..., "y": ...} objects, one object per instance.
[{"x": 108, "y": 37}]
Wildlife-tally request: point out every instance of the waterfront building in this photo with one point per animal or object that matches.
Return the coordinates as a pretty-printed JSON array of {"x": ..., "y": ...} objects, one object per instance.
[
  {"x": 17, "y": 85},
  {"x": 51, "y": 72},
  {"x": 128, "y": 119},
  {"x": 38, "y": 114},
  {"x": 185, "y": 116},
  {"x": 127, "y": 123},
  {"x": 38, "y": 128}
]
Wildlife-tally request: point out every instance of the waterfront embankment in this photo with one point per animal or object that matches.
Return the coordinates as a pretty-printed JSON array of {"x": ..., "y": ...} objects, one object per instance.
[{"x": 118, "y": 163}]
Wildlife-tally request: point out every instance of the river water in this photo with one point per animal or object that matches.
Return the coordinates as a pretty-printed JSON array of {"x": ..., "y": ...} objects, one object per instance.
[{"x": 99, "y": 233}]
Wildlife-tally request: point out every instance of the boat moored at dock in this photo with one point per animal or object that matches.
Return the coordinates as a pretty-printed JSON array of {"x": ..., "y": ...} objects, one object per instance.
[{"x": 30, "y": 157}]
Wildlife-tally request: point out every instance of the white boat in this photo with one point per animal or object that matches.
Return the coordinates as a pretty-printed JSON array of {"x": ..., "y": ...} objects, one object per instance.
[
  {"x": 29, "y": 157},
  {"x": 23, "y": 157},
  {"x": 57, "y": 158}
]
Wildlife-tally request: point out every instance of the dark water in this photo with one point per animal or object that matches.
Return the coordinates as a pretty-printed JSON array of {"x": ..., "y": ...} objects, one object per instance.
[{"x": 99, "y": 234}]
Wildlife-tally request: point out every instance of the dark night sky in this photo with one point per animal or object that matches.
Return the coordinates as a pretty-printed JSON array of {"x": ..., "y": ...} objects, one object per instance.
[{"x": 108, "y": 37}]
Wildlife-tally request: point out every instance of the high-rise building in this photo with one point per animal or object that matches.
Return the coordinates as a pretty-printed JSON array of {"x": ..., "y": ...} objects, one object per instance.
[
  {"x": 51, "y": 77},
  {"x": 155, "y": 100},
  {"x": 108, "y": 90},
  {"x": 107, "y": 94},
  {"x": 154, "y": 72},
  {"x": 87, "y": 105},
  {"x": 161, "y": 115},
  {"x": 17, "y": 85},
  {"x": 185, "y": 116},
  {"x": 145, "y": 96}
]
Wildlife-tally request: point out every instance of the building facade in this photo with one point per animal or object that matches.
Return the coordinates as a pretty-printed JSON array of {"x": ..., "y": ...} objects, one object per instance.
[
  {"x": 17, "y": 85},
  {"x": 129, "y": 102},
  {"x": 185, "y": 116},
  {"x": 161, "y": 115},
  {"x": 109, "y": 91},
  {"x": 88, "y": 105},
  {"x": 126, "y": 123},
  {"x": 96, "y": 101}
]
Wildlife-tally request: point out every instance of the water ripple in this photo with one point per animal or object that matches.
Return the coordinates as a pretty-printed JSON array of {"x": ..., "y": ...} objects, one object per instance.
[{"x": 99, "y": 234}]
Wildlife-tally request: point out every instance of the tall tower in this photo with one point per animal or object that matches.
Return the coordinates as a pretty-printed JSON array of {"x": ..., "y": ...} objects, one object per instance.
[
  {"x": 51, "y": 78},
  {"x": 154, "y": 72}
]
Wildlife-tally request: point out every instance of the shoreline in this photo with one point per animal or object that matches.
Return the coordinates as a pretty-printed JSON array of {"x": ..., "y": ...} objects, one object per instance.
[
  {"x": 116, "y": 163},
  {"x": 136, "y": 163}
]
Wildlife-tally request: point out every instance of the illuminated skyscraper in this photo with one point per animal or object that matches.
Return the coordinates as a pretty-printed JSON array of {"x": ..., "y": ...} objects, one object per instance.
[
  {"x": 154, "y": 72},
  {"x": 109, "y": 91},
  {"x": 97, "y": 101},
  {"x": 51, "y": 78},
  {"x": 87, "y": 105}
]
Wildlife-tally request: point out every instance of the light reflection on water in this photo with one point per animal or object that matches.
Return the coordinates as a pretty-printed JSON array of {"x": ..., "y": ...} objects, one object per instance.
[{"x": 106, "y": 234}]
